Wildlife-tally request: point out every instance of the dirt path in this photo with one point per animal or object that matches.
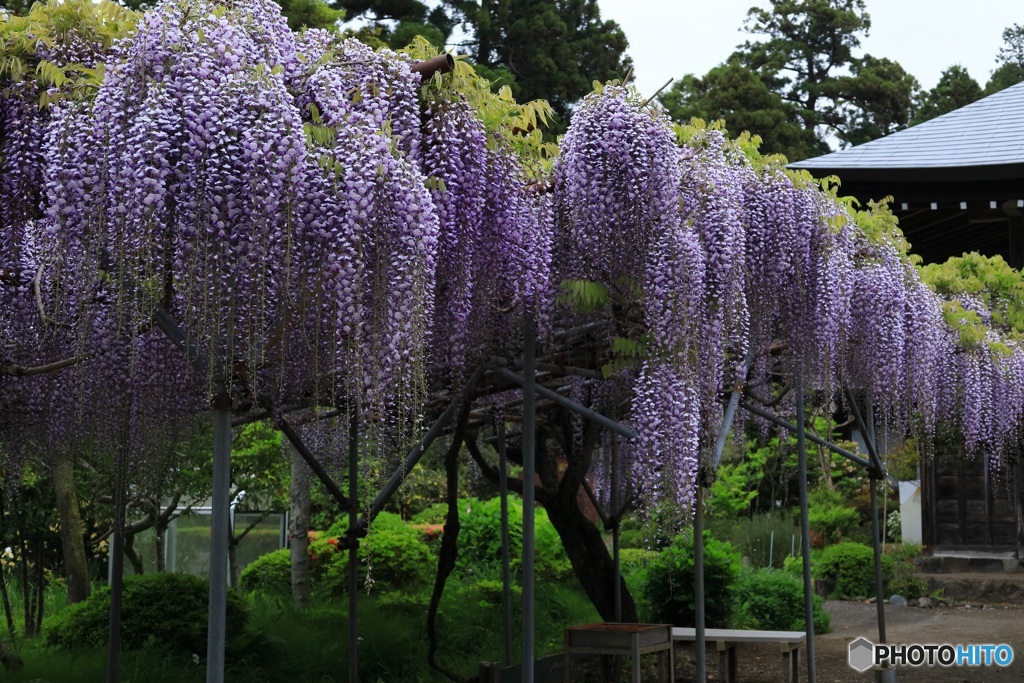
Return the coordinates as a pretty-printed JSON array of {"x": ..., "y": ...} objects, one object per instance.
[{"x": 995, "y": 623}]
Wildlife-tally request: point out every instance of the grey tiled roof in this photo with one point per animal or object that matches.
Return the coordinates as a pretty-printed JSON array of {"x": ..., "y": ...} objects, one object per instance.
[{"x": 989, "y": 132}]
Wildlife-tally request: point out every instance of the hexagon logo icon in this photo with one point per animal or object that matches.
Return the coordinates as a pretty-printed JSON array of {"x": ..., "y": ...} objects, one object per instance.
[{"x": 862, "y": 654}]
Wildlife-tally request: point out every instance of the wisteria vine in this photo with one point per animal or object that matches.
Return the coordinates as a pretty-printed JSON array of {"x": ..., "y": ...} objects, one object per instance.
[{"x": 328, "y": 231}]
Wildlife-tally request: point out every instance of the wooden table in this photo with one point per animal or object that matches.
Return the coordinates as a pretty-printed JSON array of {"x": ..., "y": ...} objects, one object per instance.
[
  {"x": 789, "y": 643},
  {"x": 631, "y": 640}
]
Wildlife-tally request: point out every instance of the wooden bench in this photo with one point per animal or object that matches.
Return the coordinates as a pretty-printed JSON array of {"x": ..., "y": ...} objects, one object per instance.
[
  {"x": 726, "y": 640},
  {"x": 609, "y": 640}
]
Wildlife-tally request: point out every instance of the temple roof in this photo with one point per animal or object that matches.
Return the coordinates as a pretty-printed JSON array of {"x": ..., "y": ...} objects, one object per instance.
[
  {"x": 956, "y": 182},
  {"x": 981, "y": 141}
]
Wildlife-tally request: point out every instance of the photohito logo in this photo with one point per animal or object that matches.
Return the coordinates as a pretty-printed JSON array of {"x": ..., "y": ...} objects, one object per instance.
[{"x": 865, "y": 655}]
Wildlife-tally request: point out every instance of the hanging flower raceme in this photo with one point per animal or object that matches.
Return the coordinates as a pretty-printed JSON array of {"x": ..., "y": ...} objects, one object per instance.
[
  {"x": 800, "y": 270},
  {"x": 877, "y": 355},
  {"x": 617, "y": 182},
  {"x": 370, "y": 222},
  {"x": 455, "y": 159},
  {"x": 928, "y": 357},
  {"x": 713, "y": 190},
  {"x": 618, "y": 193},
  {"x": 495, "y": 243},
  {"x": 669, "y": 402}
]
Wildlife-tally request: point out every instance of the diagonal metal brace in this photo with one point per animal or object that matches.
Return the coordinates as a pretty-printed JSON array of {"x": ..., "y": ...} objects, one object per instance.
[
  {"x": 313, "y": 463},
  {"x": 569, "y": 404},
  {"x": 877, "y": 471},
  {"x": 775, "y": 419},
  {"x": 391, "y": 487}
]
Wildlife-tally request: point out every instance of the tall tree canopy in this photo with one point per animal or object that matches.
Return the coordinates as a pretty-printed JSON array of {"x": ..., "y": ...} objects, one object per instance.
[
  {"x": 739, "y": 95},
  {"x": 1010, "y": 59},
  {"x": 955, "y": 89},
  {"x": 806, "y": 56},
  {"x": 543, "y": 49}
]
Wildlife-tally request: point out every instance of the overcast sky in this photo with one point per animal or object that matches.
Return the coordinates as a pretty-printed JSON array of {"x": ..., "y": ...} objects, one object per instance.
[{"x": 668, "y": 39}]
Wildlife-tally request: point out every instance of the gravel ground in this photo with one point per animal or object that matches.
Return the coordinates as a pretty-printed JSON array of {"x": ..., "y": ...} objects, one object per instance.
[{"x": 961, "y": 624}]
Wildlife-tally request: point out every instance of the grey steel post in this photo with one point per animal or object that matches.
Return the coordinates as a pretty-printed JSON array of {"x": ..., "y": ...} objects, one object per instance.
[
  {"x": 876, "y": 529},
  {"x": 217, "y": 629},
  {"x": 529, "y": 472},
  {"x": 805, "y": 531},
  {"x": 353, "y": 548},
  {"x": 116, "y": 568},
  {"x": 506, "y": 554},
  {"x": 616, "y": 558},
  {"x": 698, "y": 581}
]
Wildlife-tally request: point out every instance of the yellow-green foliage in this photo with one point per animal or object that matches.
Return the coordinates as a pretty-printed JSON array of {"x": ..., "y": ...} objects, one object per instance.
[
  {"x": 746, "y": 143},
  {"x": 989, "y": 280},
  {"x": 518, "y": 124},
  {"x": 52, "y": 23},
  {"x": 880, "y": 226}
]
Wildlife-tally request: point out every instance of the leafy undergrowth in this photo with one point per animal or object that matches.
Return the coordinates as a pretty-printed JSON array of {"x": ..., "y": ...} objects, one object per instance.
[{"x": 286, "y": 644}]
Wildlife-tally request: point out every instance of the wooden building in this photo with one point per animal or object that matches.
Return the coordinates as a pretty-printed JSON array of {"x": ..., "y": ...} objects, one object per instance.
[{"x": 957, "y": 185}]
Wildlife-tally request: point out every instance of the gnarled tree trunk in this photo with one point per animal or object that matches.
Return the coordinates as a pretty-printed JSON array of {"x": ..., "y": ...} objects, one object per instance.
[
  {"x": 72, "y": 534},
  {"x": 298, "y": 526}
]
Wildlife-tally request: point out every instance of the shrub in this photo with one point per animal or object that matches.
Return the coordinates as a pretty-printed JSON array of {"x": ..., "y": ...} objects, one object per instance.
[
  {"x": 270, "y": 573},
  {"x": 165, "y": 609},
  {"x": 830, "y": 516},
  {"x": 771, "y": 600},
  {"x": 633, "y": 564},
  {"x": 848, "y": 569},
  {"x": 480, "y": 537},
  {"x": 903, "y": 578},
  {"x": 894, "y": 527},
  {"x": 765, "y": 539},
  {"x": 393, "y": 555},
  {"x": 668, "y": 590}
]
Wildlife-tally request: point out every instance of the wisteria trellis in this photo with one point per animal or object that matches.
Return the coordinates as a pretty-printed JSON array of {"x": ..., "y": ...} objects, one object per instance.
[{"x": 245, "y": 178}]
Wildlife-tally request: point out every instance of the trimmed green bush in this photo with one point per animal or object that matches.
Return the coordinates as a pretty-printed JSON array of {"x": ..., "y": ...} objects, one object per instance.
[
  {"x": 903, "y": 578},
  {"x": 668, "y": 590},
  {"x": 480, "y": 537},
  {"x": 830, "y": 516},
  {"x": 393, "y": 555},
  {"x": 270, "y": 573},
  {"x": 167, "y": 610},
  {"x": 848, "y": 569},
  {"x": 770, "y": 600}
]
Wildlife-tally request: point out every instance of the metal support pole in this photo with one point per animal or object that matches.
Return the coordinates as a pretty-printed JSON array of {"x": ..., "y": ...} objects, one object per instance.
[
  {"x": 529, "y": 472},
  {"x": 219, "y": 538},
  {"x": 698, "y": 581},
  {"x": 567, "y": 403},
  {"x": 116, "y": 568},
  {"x": 353, "y": 547},
  {"x": 868, "y": 428},
  {"x": 877, "y": 534},
  {"x": 805, "y": 532},
  {"x": 810, "y": 436},
  {"x": 616, "y": 559},
  {"x": 506, "y": 552},
  {"x": 868, "y": 431}
]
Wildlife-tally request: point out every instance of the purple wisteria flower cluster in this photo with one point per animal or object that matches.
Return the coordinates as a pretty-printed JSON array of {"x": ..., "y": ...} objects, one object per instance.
[
  {"x": 329, "y": 235},
  {"x": 495, "y": 240}
]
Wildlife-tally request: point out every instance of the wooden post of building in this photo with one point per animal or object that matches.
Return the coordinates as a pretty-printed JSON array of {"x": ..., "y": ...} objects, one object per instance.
[{"x": 1015, "y": 257}]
